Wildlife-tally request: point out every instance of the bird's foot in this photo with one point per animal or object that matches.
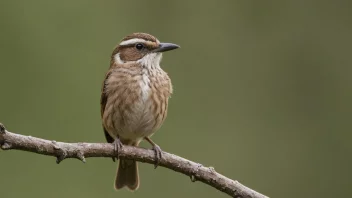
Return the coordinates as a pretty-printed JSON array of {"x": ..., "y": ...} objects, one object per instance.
[
  {"x": 158, "y": 155},
  {"x": 157, "y": 150},
  {"x": 117, "y": 147}
]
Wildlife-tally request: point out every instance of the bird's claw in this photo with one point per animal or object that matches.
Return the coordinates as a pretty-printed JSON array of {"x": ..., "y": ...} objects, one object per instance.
[
  {"x": 158, "y": 155},
  {"x": 117, "y": 147}
]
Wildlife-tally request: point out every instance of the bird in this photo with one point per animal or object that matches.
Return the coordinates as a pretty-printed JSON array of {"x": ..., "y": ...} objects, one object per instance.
[{"x": 134, "y": 99}]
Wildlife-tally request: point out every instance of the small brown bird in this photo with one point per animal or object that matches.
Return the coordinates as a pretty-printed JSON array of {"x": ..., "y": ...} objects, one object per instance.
[{"x": 134, "y": 99}]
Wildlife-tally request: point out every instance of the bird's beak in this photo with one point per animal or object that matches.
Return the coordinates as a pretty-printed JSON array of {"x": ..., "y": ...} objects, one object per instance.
[{"x": 163, "y": 47}]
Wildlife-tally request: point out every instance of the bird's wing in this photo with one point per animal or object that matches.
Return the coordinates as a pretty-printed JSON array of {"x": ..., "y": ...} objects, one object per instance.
[{"x": 103, "y": 100}]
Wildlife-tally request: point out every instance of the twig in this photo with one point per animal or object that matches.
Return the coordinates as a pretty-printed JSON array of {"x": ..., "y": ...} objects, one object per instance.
[{"x": 62, "y": 150}]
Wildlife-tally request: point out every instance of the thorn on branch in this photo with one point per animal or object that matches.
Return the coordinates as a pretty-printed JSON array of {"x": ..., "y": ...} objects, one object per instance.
[
  {"x": 80, "y": 156},
  {"x": 61, "y": 157},
  {"x": 193, "y": 178},
  {"x": 61, "y": 154}
]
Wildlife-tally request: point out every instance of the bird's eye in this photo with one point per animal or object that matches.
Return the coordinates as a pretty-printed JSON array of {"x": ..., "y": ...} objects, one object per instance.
[{"x": 139, "y": 46}]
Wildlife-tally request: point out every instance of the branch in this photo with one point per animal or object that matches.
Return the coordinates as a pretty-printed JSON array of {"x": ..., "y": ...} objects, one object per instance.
[{"x": 62, "y": 150}]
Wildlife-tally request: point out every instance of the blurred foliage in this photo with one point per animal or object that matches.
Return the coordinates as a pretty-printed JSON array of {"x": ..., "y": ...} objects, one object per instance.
[{"x": 262, "y": 93}]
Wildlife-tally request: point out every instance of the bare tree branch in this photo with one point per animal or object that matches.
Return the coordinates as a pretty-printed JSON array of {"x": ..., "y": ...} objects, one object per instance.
[{"x": 62, "y": 150}]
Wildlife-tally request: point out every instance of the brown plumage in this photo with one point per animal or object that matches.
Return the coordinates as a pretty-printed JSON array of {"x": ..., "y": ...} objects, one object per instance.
[{"x": 134, "y": 98}]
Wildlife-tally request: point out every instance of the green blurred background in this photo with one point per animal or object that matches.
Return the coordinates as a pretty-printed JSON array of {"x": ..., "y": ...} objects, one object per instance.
[{"x": 262, "y": 92}]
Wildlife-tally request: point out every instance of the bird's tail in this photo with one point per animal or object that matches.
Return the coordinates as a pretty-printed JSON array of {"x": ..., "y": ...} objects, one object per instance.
[{"x": 127, "y": 175}]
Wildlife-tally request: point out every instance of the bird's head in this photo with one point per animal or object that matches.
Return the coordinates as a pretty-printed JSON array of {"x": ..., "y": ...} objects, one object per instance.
[{"x": 140, "y": 47}]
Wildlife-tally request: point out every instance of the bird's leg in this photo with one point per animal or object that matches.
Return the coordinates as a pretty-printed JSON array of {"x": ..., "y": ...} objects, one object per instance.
[
  {"x": 117, "y": 147},
  {"x": 157, "y": 150}
]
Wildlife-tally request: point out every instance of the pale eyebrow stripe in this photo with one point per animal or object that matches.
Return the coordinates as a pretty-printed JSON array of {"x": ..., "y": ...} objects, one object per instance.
[{"x": 133, "y": 41}]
